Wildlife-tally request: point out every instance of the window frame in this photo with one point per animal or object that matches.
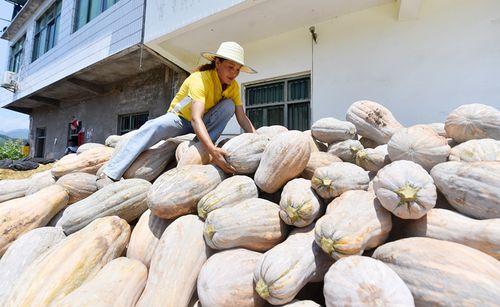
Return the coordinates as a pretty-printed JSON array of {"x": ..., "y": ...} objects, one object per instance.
[
  {"x": 285, "y": 103},
  {"x": 42, "y": 140},
  {"x": 16, "y": 57},
  {"x": 46, "y": 30},
  {"x": 88, "y": 18},
  {"x": 129, "y": 115}
]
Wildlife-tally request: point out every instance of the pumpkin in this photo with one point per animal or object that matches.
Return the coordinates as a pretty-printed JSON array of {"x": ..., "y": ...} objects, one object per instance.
[
  {"x": 373, "y": 159},
  {"x": 226, "y": 279},
  {"x": 87, "y": 146},
  {"x": 317, "y": 160},
  {"x": 284, "y": 158},
  {"x": 23, "y": 214},
  {"x": 373, "y": 121},
  {"x": 151, "y": 162},
  {"x": 441, "y": 273},
  {"x": 419, "y": 144},
  {"x": 13, "y": 188},
  {"x": 253, "y": 224},
  {"x": 176, "y": 263},
  {"x": 451, "y": 226},
  {"x": 23, "y": 252},
  {"x": 286, "y": 268},
  {"x": 112, "y": 140},
  {"x": 245, "y": 151},
  {"x": 299, "y": 204},
  {"x": 271, "y": 131},
  {"x": 363, "y": 281},
  {"x": 345, "y": 150},
  {"x": 473, "y": 121},
  {"x": 405, "y": 189},
  {"x": 330, "y": 130},
  {"x": 470, "y": 187},
  {"x": 305, "y": 303},
  {"x": 70, "y": 263},
  {"x": 119, "y": 283},
  {"x": 227, "y": 194},
  {"x": 78, "y": 185},
  {"x": 195, "y": 153},
  {"x": 476, "y": 150},
  {"x": 181, "y": 149},
  {"x": 124, "y": 198},
  {"x": 87, "y": 162},
  {"x": 438, "y": 128},
  {"x": 178, "y": 191},
  {"x": 313, "y": 143},
  {"x": 355, "y": 221},
  {"x": 333, "y": 180},
  {"x": 145, "y": 236},
  {"x": 39, "y": 181}
]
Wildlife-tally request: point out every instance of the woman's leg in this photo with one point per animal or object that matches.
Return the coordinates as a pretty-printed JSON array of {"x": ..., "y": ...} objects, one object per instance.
[
  {"x": 217, "y": 117},
  {"x": 153, "y": 131}
]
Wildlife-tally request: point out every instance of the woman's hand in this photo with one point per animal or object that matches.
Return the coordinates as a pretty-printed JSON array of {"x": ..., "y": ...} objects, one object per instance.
[{"x": 219, "y": 159}]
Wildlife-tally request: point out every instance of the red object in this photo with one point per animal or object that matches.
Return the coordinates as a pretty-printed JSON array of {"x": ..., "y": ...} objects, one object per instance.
[
  {"x": 74, "y": 124},
  {"x": 81, "y": 138}
]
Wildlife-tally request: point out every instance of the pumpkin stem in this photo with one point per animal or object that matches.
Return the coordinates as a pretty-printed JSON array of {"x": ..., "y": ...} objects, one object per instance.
[
  {"x": 407, "y": 193},
  {"x": 327, "y": 182},
  {"x": 262, "y": 289},
  {"x": 354, "y": 149},
  {"x": 209, "y": 231},
  {"x": 202, "y": 213},
  {"x": 327, "y": 245}
]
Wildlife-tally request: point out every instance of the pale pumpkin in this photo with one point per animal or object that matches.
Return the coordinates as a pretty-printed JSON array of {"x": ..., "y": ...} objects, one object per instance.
[
  {"x": 112, "y": 140},
  {"x": 145, "y": 236},
  {"x": 419, "y": 144},
  {"x": 195, "y": 153},
  {"x": 286, "y": 268},
  {"x": 473, "y": 121},
  {"x": 373, "y": 159},
  {"x": 364, "y": 281},
  {"x": 299, "y": 204},
  {"x": 87, "y": 162},
  {"x": 476, "y": 150},
  {"x": 125, "y": 198},
  {"x": 346, "y": 150},
  {"x": 23, "y": 252},
  {"x": 227, "y": 194},
  {"x": 317, "y": 160},
  {"x": 178, "y": 191},
  {"x": 70, "y": 263},
  {"x": 405, "y": 189},
  {"x": 333, "y": 180},
  {"x": 87, "y": 146},
  {"x": 13, "y": 188},
  {"x": 245, "y": 151},
  {"x": 441, "y": 273},
  {"x": 438, "y": 128},
  {"x": 314, "y": 143},
  {"x": 253, "y": 224},
  {"x": 78, "y": 185},
  {"x": 451, "y": 226},
  {"x": 373, "y": 121},
  {"x": 176, "y": 263},
  {"x": 355, "y": 221},
  {"x": 181, "y": 149},
  {"x": 39, "y": 181},
  {"x": 151, "y": 162},
  {"x": 305, "y": 303},
  {"x": 23, "y": 214},
  {"x": 284, "y": 158},
  {"x": 271, "y": 131},
  {"x": 330, "y": 130},
  {"x": 470, "y": 187},
  {"x": 119, "y": 283},
  {"x": 226, "y": 279}
]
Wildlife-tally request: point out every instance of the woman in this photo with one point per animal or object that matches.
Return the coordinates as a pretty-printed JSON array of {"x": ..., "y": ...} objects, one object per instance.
[{"x": 206, "y": 101}]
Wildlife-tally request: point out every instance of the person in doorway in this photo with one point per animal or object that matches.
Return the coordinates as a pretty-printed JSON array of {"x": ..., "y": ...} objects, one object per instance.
[
  {"x": 206, "y": 101},
  {"x": 72, "y": 147}
]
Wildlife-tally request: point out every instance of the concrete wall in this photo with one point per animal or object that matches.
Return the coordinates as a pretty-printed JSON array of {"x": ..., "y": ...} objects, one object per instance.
[
  {"x": 149, "y": 92},
  {"x": 420, "y": 69},
  {"x": 116, "y": 29}
]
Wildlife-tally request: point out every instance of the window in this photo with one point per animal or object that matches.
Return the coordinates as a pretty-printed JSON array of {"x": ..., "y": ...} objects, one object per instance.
[
  {"x": 129, "y": 122},
  {"x": 46, "y": 30},
  {"x": 88, "y": 9},
  {"x": 16, "y": 55},
  {"x": 40, "y": 143},
  {"x": 285, "y": 102}
]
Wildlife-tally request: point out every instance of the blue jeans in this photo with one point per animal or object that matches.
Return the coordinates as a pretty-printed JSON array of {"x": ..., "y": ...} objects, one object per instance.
[{"x": 164, "y": 127}]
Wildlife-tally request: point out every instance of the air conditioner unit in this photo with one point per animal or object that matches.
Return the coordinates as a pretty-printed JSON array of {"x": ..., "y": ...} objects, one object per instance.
[{"x": 9, "y": 80}]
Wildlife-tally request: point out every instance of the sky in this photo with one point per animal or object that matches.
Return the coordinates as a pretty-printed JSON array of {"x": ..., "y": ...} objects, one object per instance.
[{"x": 9, "y": 120}]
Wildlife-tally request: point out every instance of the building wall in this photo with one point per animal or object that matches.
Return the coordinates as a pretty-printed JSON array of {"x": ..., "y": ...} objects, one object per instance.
[
  {"x": 149, "y": 92},
  {"x": 116, "y": 29},
  {"x": 420, "y": 69}
]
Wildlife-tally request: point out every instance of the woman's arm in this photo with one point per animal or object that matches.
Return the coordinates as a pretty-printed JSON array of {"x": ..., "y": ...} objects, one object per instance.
[
  {"x": 197, "y": 110},
  {"x": 243, "y": 120}
]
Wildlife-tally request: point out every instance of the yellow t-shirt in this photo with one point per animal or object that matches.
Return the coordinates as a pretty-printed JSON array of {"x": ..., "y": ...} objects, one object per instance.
[{"x": 203, "y": 86}]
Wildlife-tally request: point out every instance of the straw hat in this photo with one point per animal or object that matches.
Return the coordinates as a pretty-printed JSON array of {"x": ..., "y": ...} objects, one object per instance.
[{"x": 230, "y": 51}]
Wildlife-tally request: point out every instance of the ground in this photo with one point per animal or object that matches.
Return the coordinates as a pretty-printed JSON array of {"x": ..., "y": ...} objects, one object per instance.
[{"x": 11, "y": 174}]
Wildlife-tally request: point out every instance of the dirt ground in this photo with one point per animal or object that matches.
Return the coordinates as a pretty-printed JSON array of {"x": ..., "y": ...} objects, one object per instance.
[{"x": 11, "y": 174}]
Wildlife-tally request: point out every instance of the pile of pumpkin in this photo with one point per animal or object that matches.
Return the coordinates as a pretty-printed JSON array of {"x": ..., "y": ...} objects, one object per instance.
[{"x": 372, "y": 212}]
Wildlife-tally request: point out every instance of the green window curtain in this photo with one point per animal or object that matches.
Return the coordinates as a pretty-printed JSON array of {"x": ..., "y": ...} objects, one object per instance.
[
  {"x": 299, "y": 89},
  {"x": 256, "y": 116},
  {"x": 299, "y": 116},
  {"x": 275, "y": 116},
  {"x": 82, "y": 16},
  {"x": 95, "y": 9}
]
